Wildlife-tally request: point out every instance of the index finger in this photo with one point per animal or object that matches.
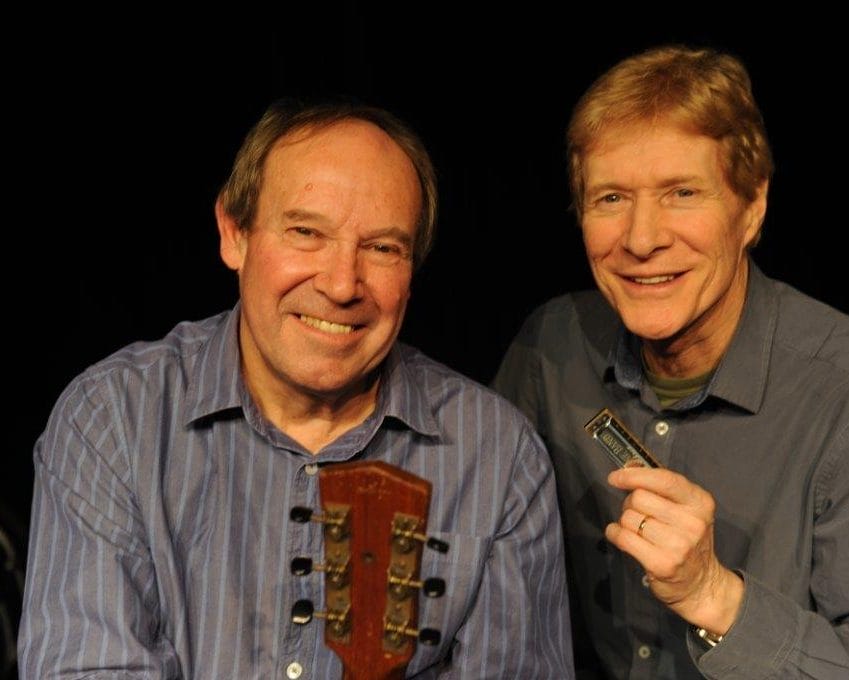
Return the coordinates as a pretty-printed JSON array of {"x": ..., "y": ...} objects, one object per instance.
[{"x": 662, "y": 481}]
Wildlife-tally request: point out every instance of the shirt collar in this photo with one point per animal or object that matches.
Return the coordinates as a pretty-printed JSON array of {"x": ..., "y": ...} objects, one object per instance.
[
  {"x": 741, "y": 376},
  {"x": 216, "y": 382},
  {"x": 401, "y": 397},
  {"x": 742, "y": 373}
]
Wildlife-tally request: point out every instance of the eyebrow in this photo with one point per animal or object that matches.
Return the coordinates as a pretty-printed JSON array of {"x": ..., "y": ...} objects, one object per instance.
[
  {"x": 299, "y": 215},
  {"x": 681, "y": 179},
  {"x": 666, "y": 183},
  {"x": 604, "y": 186},
  {"x": 390, "y": 232}
]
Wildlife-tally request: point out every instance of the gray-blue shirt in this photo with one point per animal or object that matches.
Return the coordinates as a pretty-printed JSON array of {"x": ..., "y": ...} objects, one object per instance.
[
  {"x": 161, "y": 541},
  {"x": 768, "y": 437}
]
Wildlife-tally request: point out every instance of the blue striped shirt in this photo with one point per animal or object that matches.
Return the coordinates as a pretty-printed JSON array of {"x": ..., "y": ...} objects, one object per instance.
[{"x": 161, "y": 542}]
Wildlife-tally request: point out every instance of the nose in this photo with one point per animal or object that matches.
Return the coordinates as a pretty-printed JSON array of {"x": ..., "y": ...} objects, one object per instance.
[
  {"x": 645, "y": 231},
  {"x": 340, "y": 277}
]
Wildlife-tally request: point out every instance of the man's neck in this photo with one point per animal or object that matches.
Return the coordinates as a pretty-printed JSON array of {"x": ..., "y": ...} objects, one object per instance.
[
  {"x": 314, "y": 421},
  {"x": 666, "y": 360}
]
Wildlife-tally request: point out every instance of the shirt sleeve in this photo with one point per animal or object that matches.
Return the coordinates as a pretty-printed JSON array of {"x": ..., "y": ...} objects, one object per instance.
[
  {"x": 774, "y": 637},
  {"x": 517, "y": 377},
  {"x": 519, "y": 380},
  {"x": 519, "y": 624},
  {"x": 90, "y": 600}
]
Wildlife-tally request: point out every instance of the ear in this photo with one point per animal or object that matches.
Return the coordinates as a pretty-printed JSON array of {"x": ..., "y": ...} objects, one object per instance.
[
  {"x": 233, "y": 238},
  {"x": 755, "y": 215}
]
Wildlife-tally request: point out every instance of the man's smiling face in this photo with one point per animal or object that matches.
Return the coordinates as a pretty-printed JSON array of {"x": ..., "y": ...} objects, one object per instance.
[
  {"x": 325, "y": 270},
  {"x": 665, "y": 234}
]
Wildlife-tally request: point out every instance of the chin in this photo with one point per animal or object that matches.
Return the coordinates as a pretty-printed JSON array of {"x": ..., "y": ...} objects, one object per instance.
[
  {"x": 650, "y": 330},
  {"x": 333, "y": 384}
]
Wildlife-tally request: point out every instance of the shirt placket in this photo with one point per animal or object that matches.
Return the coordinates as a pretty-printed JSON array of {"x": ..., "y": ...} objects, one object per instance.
[
  {"x": 656, "y": 432},
  {"x": 644, "y": 612},
  {"x": 303, "y": 648}
]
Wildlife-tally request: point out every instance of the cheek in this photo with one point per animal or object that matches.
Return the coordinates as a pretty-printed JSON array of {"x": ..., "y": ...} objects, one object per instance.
[
  {"x": 599, "y": 239},
  {"x": 275, "y": 271},
  {"x": 391, "y": 293},
  {"x": 256, "y": 275},
  {"x": 723, "y": 240}
]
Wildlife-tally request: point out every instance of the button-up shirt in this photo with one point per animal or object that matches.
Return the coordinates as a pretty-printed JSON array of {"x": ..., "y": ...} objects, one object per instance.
[
  {"x": 161, "y": 539},
  {"x": 768, "y": 437}
]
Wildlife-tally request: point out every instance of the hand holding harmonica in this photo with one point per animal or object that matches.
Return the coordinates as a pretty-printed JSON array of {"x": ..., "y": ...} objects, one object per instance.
[{"x": 666, "y": 524}]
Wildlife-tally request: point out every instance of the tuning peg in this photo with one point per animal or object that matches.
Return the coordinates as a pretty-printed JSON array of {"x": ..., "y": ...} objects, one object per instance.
[
  {"x": 338, "y": 573},
  {"x": 300, "y": 514},
  {"x": 433, "y": 587},
  {"x": 301, "y": 566},
  {"x": 400, "y": 585},
  {"x": 429, "y": 636},
  {"x": 404, "y": 533},
  {"x": 405, "y": 545},
  {"x": 338, "y": 622},
  {"x": 302, "y": 612},
  {"x": 394, "y": 634},
  {"x": 336, "y": 521},
  {"x": 437, "y": 545}
]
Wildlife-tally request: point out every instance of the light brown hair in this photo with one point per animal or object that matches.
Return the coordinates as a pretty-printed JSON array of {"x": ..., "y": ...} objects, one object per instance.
[{"x": 701, "y": 90}]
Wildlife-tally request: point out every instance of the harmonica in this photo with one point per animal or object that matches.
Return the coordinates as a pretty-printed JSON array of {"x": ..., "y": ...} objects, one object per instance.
[{"x": 621, "y": 444}]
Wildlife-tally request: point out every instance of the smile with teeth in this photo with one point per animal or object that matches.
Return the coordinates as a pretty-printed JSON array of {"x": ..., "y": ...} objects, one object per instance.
[
  {"x": 326, "y": 326},
  {"x": 648, "y": 280}
]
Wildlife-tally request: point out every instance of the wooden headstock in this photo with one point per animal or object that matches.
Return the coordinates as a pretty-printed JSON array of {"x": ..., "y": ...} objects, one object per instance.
[{"x": 374, "y": 517}]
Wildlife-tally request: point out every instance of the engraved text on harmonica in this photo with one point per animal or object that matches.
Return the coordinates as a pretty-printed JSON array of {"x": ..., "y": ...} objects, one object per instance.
[{"x": 622, "y": 446}]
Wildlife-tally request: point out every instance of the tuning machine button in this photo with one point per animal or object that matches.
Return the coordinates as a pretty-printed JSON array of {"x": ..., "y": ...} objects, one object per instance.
[
  {"x": 338, "y": 620},
  {"x": 437, "y": 545},
  {"x": 336, "y": 520},
  {"x": 401, "y": 585},
  {"x": 338, "y": 574},
  {"x": 405, "y": 535},
  {"x": 395, "y": 634}
]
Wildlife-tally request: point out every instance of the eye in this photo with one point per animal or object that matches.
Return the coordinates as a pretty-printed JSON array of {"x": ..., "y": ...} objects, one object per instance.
[
  {"x": 684, "y": 197},
  {"x": 385, "y": 252},
  {"x": 303, "y": 238},
  {"x": 385, "y": 248},
  {"x": 609, "y": 203}
]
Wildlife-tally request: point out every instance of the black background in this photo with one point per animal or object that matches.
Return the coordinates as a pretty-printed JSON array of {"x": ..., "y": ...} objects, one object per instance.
[{"x": 121, "y": 130}]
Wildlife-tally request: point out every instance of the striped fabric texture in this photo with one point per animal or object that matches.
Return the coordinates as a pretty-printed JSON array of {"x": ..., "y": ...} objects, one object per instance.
[{"x": 161, "y": 541}]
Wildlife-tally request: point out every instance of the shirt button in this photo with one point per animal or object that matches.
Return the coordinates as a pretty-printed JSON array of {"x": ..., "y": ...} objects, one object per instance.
[
  {"x": 645, "y": 580},
  {"x": 643, "y": 651},
  {"x": 310, "y": 469},
  {"x": 661, "y": 427},
  {"x": 294, "y": 670}
]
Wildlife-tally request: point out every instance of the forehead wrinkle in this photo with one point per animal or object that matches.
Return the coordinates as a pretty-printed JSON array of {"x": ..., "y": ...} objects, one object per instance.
[
  {"x": 300, "y": 215},
  {"x": 319, "y": 168},
  {"x": 650, "y": 161}
]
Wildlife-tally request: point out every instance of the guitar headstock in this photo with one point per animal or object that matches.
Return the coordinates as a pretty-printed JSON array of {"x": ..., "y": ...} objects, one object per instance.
[{"x": 375, "y": 518}]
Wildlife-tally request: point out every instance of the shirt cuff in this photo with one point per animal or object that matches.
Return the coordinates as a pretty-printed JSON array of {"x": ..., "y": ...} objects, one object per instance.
[{"x": 758, "y": 642}]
